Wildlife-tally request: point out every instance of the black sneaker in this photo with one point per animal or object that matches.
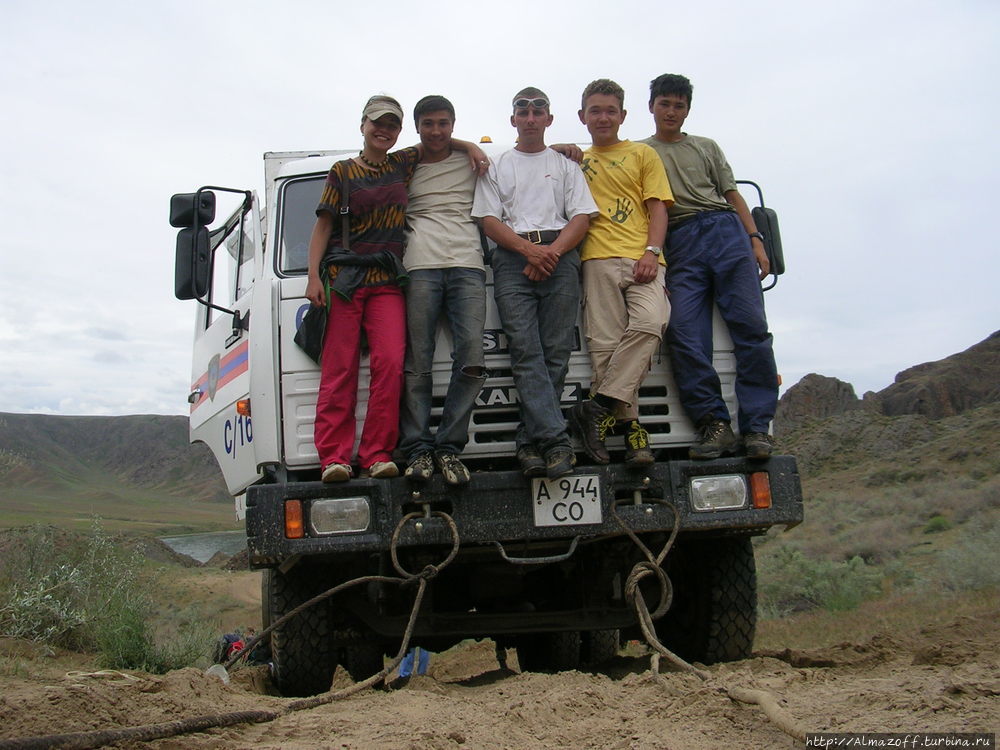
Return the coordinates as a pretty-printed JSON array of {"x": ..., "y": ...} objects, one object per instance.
[
  {"x": 421, "y": 468},
  {"x": 715, "y": 439},
  {"x": 637, "y": 452},
  {"x": 559, "y": 462},
  {"x": 532, "y": 463},
  {"x": 592, "y": 422},
  {"x": 452, "y": 469},
  {"x": 758, "y": 445}
]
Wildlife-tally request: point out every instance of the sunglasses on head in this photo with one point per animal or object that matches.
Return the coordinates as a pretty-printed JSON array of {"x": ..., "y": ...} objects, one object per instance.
[{"x": 524, "y": 103}]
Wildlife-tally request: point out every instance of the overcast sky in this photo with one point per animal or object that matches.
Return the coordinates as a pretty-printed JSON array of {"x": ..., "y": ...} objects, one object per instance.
[{"x": 872, "y": 127}]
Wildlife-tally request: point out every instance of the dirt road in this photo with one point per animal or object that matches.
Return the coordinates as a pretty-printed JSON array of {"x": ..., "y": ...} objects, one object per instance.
[{"x": 943, "y": 678}]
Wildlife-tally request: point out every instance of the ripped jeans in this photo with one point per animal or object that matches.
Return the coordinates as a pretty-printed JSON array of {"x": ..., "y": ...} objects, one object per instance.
[{"x": 460, "y": 295}]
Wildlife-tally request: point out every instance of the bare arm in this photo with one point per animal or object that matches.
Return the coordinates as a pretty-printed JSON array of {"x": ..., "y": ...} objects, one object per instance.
[
  {"x": 317, "y": 249},
  {"x": 477, "y": 157},
  {"x": 646, "y": 267},
  {"x": 541, "y": 257},
  {"x": 734, "y": 199},
  {"x": 570, "y": 150},
  {"x": 572, "y": 234}
]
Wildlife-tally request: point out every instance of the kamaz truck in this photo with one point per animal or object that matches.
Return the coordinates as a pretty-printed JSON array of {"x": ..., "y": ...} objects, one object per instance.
[{"x": 539, "y": 565}]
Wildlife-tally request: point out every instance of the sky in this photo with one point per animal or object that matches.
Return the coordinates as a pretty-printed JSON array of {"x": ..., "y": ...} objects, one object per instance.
[{"x": 871, "y": 127}]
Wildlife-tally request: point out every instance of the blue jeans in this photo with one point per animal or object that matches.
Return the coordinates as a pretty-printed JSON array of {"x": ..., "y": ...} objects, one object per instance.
[
  {"x": 709, "y": 260},
  {"x": 460, "y": 294},
  {"x": 539, "y": 320}
]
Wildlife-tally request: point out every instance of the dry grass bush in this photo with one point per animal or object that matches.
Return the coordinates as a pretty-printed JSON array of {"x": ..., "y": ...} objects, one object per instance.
[{"x": 87, "y": 593}]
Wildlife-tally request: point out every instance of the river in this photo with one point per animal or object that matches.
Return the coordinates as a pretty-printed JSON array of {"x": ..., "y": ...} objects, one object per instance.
[{"x": 202, "y": 546}]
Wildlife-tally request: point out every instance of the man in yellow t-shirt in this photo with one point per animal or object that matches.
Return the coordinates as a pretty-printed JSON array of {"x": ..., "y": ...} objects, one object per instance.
[{"x": 625, "y": 308}]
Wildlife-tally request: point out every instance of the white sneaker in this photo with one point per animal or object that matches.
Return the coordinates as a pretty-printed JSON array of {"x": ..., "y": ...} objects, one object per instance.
[
  {"x": 337, "y": 473},
  {"x": 383, "y": 470}
]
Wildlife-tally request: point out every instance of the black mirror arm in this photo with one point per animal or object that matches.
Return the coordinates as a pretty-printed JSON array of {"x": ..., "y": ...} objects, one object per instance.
[{"x": 239, "y": 324}]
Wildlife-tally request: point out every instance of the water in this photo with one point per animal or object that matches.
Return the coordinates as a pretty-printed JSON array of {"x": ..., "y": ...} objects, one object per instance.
[{"x": 202, "y": 546}]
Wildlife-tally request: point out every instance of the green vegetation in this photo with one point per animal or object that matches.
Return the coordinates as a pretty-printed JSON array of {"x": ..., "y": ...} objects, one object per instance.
[
  {"x": 796, "y": 582},
  {"x": 894, "y": 507},
  {"x": 89, "y": 594}
]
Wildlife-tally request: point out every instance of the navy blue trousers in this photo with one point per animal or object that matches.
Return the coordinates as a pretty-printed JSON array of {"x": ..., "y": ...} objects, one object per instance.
[{"x": 709, "y": 260}]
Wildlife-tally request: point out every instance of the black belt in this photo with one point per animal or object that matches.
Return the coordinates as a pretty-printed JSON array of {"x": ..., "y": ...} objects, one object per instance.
[
  {"x": 694, "y": 217},
  {"x": 536, "y": 237}
]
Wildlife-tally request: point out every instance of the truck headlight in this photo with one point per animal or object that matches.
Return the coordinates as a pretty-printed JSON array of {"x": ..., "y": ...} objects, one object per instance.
[
  {"x": 341, "y": 515},
  {"x": 721, "y": 492}
]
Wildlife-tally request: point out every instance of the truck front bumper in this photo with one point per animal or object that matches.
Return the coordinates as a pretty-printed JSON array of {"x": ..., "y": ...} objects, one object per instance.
[{"x": 496, "y": 507}]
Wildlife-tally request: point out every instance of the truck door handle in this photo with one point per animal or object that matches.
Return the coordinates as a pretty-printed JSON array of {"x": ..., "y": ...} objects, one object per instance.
[{"x": 194, "y": 395}]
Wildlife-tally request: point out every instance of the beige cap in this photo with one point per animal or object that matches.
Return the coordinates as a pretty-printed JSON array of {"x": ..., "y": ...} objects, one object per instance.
[{"x": 378, "y": 106}]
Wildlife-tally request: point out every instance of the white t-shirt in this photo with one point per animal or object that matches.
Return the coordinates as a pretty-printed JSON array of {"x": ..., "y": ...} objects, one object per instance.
[
  {"x": 539, "y": 191},
  {"x": 440, "y": 232}
]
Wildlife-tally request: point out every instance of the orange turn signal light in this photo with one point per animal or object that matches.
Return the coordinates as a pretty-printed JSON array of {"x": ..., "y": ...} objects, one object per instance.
[
  {"x": 294, "y": 526},
  {"x": 760, "y": 489},
  {"x": 243, "y": 407}
]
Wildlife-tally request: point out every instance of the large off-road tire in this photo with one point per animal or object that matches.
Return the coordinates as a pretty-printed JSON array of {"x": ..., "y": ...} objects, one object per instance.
[
  {"x": 301, "y": 650},
  {"x": 714, "y": 613},
  {"x": 549, "y": 652},
  {"x": 598, "y": 647}
]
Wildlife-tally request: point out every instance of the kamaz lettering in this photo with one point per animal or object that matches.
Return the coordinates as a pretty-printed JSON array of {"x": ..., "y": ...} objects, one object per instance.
[{"x": 506, "y": 395}]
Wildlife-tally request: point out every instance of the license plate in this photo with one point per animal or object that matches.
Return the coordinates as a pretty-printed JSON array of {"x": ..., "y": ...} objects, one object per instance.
[{"x": 569, "y": 501}]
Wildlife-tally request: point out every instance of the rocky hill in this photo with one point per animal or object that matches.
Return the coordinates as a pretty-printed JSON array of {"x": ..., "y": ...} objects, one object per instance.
[
  {"x": 941, "y": 414},
  {"x": 935, "y": 390}
]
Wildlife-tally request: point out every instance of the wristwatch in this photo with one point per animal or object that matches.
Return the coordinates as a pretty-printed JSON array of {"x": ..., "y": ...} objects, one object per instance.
[
  {"x": 758, "y": 235},
  {"x": 654, "y": 250}
]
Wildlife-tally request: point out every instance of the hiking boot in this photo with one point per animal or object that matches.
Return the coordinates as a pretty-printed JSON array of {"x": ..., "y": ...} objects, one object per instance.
[
  {"x": 421, "y": 468},
  {"x": 453, "y": 470},
  {"x": 383, "y": 470},
  {"x": 532, "y": 464},
  {"x": 559, "y": 462},
  {"x": 758, "y": 445},
  {"x": 637, "y": 452},
  {"x": 592, "y": 422},
  {"x": 715, "y": 438},
  {"x": 337, "y": 473}
]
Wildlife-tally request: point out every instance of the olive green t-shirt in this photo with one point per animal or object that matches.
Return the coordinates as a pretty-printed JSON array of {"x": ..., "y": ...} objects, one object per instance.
[{"x": 699, "y": 175}]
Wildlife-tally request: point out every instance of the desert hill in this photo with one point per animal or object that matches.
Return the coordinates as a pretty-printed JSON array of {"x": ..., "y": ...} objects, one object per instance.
[
  {"x": 939, "y": 416},
  {"x": 139, "y": 469}
]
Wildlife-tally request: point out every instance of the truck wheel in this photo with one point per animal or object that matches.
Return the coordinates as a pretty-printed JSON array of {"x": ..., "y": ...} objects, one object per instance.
[
  {"x": 598, "y": 647},
  {"x": 714, "y": 613},
  {"x": 303, "y": 657},
  {"x": 549, "y": 652}
]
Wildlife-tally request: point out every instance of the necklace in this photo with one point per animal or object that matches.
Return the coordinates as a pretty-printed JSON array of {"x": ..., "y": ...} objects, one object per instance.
[{"x": 379, "y": 165}]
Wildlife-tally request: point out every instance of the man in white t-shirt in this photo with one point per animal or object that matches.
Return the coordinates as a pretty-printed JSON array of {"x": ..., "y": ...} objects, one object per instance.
[
  {"x": 444, "y": 260},
  {"x": 535, "y": 204}
]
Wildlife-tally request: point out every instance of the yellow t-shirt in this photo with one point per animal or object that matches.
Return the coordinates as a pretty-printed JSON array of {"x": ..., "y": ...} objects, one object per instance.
[{"x": 621, "y": 178}]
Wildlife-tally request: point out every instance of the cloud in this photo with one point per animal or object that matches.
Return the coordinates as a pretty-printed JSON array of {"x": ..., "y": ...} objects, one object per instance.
[{"x": 869, "y": 125}]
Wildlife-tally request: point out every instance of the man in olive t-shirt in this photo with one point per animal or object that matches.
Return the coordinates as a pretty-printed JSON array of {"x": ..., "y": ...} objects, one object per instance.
[{"x": 714, "y": 255}]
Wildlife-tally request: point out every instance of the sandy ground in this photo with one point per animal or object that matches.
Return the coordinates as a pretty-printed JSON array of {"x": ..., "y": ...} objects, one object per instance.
[{"x": 941, "y": 678}]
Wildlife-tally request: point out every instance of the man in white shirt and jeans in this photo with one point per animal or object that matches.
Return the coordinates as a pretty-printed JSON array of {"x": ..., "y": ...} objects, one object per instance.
[{"x": 535, "y": 204}]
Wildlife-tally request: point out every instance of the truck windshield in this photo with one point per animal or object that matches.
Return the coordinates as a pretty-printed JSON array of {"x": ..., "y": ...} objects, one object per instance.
[{"x": 299, "y": 199}]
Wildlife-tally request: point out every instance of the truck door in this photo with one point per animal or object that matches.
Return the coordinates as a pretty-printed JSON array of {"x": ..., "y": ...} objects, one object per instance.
[{"x": 220, "y": 378}]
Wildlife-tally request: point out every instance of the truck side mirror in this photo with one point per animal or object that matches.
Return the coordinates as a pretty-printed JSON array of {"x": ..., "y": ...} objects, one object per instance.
[
  {"x": 192, "y": 263},
  {"x": 184, "y": 207},
  {"x": 767, "y": 222}
]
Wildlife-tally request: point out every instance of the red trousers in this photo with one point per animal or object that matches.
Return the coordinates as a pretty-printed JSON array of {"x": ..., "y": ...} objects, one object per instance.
[{"x": 381, "y": 311}]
